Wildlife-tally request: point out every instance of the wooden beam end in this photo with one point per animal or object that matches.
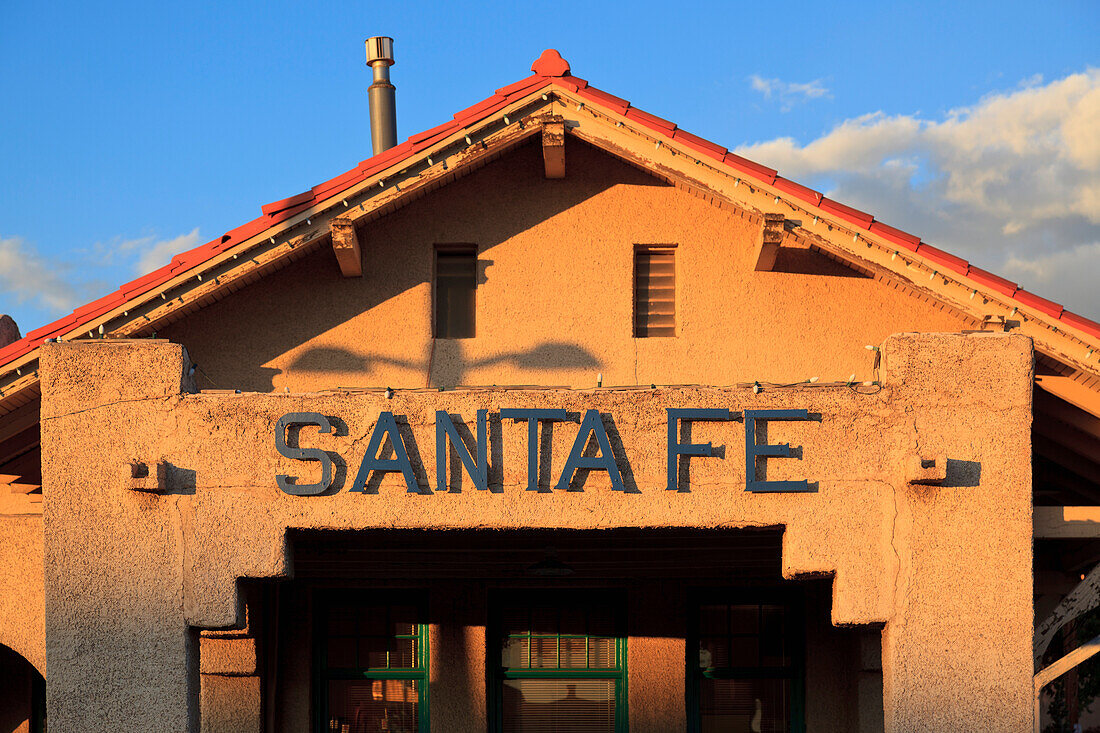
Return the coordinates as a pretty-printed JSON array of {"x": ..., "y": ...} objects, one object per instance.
[{"x": 345, "y": 245}]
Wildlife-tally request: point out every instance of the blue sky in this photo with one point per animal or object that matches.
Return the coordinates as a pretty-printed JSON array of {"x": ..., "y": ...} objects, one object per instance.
[{"x": 133, "y": 130}]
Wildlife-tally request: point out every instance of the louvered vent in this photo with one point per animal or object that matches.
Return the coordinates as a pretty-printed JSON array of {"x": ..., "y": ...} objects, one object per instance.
[
  {"x": 455, "y": 291},
  {"x": 654, "y": 292}
]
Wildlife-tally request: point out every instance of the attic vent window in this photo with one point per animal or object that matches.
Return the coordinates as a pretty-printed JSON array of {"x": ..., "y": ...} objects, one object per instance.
[
  {"x": 455, "y": 290},
  {"x": 654, "y": 291}
]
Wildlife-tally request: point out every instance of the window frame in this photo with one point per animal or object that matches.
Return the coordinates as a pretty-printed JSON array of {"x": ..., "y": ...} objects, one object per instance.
[
  {"x": 465, "y": 248},
  {"x": 794, "y": 601},
  {"x": 650, "y": 249},
  {"x": 323, "y": 599},
  {"x": 496, "y": 674}
]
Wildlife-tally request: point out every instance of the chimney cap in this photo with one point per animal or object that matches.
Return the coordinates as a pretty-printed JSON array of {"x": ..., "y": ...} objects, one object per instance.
[{"x": 380, "y": 50}]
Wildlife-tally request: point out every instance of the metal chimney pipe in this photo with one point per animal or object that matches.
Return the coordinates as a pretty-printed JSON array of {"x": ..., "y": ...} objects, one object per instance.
[{"x": 383, "y": 104}]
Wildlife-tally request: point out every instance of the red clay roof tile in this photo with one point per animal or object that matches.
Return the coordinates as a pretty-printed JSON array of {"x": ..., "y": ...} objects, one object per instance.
[
  {"x": 523, "y": 85},
  {"x": 797, "y": 190},
  {"x": 897, "y": 236},
  {"x": 847, "y": 213},
  {"x": 948, "y": 260},
  {"x": 991, "y": 281},
  {"x": 448, "y": 126},
  {"x": 572, "y": 83},
  {"x": 610, "y": 101},
  {"x": 1040, "y": 304},
  {"x": 1081, "y": 323},
  {"x": 286, "y": 203},
  {"x": 385, "y": 158},
  {"x": 341, "y": 181},
  {"x": 653, "y": 122},
  {"x": 476, "y": 110},
  {"x": 146, "y": 282},
  {"x": 288, "y": 213},
  {"x": 744, "y": 165},
  {"x": 699, "y": 145},
  {"x": 60, "y": 325},
  {"x": 106, "y": 302},
  {"x": 14, "y": 350}
]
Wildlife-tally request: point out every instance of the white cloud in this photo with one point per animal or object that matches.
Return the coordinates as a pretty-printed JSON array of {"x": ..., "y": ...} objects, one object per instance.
[
  {"x": 39, "y": 287},
  {"x": 30, "y": 278},
  {"x": 1012, "y": 182},
  {"x": 789, "y": 93},
  {"x": 152, "y": 253}
]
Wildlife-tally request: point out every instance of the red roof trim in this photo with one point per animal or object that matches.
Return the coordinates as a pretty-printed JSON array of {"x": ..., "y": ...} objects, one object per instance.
[
  {"x": 384, "y": 159},
  {"x": 763, "y": 172},
  {"x": 287, "y": 208},
  {"x": 897, "y": 236},
  {"x": 699, "y": 145},
  {"x": 653, "y": 122},
  {"x": 797, "y": 190},
  {"x": 14, "y": 350},
  {"x": 1081, "y": 323},
  {"x": 847, "y": 213},
  {"x": 948, "y": 260},
  {"x": 286, "y": 203},
  {"x": 1040, "y": 304},
  {"x": 991, "y": 281},
  {"x": 448, "y": 126},
  {"x": 523, "y": 85},
  {"x": 476, "y": 110},
  {"x": 572, "y": 83},
  {"x": 52, "y": 328},
  {"x": 607, "y": 100}
]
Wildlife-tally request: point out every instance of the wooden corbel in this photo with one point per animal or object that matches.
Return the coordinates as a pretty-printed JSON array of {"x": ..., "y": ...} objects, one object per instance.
[
  {"x": 771, "y": 235},
  {"x": 553, "y": 145},
  {"x": 345, "y": 245}
]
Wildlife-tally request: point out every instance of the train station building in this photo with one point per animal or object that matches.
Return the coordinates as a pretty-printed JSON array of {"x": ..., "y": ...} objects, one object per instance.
[{"x": 554, "y": 417}]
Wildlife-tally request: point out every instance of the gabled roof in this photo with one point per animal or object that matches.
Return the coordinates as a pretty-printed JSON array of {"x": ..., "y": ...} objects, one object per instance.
[{"x": 269, "y": 240}]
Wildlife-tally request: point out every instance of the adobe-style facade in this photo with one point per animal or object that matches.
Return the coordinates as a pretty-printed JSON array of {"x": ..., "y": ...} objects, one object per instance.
[{"x": 554, "y": 417}]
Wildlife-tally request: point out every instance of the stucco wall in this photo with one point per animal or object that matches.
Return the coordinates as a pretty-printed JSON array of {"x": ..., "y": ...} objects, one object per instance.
[
  {"x": 22, "y": 601},
  {"x": 945, "y": 568},
  {"x": 555, "y": 295}
]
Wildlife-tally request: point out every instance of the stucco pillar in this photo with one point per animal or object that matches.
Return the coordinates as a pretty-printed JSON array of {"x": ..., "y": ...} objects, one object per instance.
[
  {"x": 119, "y": 651},
  {"x": 957, "y": 648},
  {"x": 457, "y": 658},
  {"x": 230, "y": 684}
]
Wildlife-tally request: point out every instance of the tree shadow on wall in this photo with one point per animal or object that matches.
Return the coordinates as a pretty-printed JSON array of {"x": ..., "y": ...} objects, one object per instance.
[{"x": 449, "y": 365}]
